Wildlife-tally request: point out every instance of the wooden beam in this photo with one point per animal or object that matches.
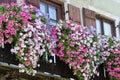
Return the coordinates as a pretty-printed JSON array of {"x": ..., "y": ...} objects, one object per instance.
[{"x": 4, "y": 67}]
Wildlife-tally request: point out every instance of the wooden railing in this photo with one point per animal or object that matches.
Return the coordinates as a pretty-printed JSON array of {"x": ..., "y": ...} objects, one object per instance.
[
  {"x": 58, "y": 69},
  {"x": 6, "y": 56}
]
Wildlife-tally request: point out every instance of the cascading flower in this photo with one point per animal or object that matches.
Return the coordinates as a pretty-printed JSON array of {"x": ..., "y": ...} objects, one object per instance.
[
  {"x": 33, "y": 37},
  {"x": 113, "y": 61},
  {"x": 21, "y": 26},
  {"x": 80, "y": 48},
  {"x": 30, "y": 47}
]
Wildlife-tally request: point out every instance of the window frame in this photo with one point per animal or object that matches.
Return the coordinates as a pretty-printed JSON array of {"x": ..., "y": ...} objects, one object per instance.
[
  {"x": 47, "y": 7},
  {"x": 59, "y": 6},
  {"x": 111, "y": 22}
]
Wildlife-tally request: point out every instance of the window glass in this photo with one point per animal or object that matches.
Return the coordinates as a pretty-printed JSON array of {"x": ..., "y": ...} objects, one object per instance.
[
  {"x": 98, "y": 26},
  {"x": 52, "y": 13},
  {"x": 43, "y": 7},
  {"x": 49, "y": 10},
  {"x": 52, "y": 22},
  {"x": 107, "y": 29}
]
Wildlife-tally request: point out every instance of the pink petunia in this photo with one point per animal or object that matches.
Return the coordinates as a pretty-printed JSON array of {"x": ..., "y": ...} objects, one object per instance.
[
  {"x": 47, "y": 38},
  {"x": 70, "y": 36},
  {"x": 67, "y": 60},
  {"x": 53, "y": 31},
  {"x": 8, "y": 7},
  {"x": 7, "y": 35},
  {"x": 70, "y": 20},
  {"x": 112, "y": 73},
  {"x": 62, "y": 34},
  {"x": 28, "y": 54},
  {"x": 73, "y": 64},
  {"x": 7, "y": 31},
  {"x": 81, "y": 47},
  {"x": 67, "y": 26},
  {"x": 13, "y": 32},
  {"x": 7, "y": 15},
  {"x": 61, "y": 54},
  {"x": 85, "y": 50},
  {"x": 1, "y": 41},
  {"x": 117, "y": 59},
  {"x": 55, "y": 51},
  {"x": 112, "y": 51},
  {"x": 14, "y": 13},
  {"x": 24, "y": 20},
  {"x": 18, "y": 24},
  {"x": 0, "y": 21},
  {"x": 16, "y": 16},
  {"x": 109, "y": 63},
  {"x": 27, "y": 63},
  {"x": 11, "y": 23},
  {"x": 72, "y": 44},
  {"x": 68, "y": 53},
  {"x": 117, "y": 69},
  {"x": 118, "y": 76},
  {"x": 62, "y": 48},
  {"x": 60, "y": 44},
  {"x": 23, "y": 13},
  {"x": 3, "y": 4},
  {"x": 12, "y": 4}
]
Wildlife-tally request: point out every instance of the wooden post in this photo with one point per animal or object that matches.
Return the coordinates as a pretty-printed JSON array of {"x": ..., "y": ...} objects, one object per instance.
[{"x": 3, "y": 42}]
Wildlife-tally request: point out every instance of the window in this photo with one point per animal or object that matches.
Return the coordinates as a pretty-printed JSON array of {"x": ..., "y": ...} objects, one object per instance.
[
  {"x": 105, "y": 26},
  {"x": 98, "y": 26},
  {"x": 107, "y": 29},
  {"x": 52, "y": 9}
]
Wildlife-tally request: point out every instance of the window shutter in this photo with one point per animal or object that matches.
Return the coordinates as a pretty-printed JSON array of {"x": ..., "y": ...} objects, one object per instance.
[
  {"x": 113, "y": 29},
  {"x": 13, "y": 1},
  {"x": 89, "y": 18},
  {"x": 7, "y": 1},
  {"x": 34, "y": 3},
  {"x": 74, "y": 13},
  {"x": 3, "y": 1}
]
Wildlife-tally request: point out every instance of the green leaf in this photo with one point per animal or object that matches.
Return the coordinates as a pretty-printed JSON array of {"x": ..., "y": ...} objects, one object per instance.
[{"x": 43, "y": 19}]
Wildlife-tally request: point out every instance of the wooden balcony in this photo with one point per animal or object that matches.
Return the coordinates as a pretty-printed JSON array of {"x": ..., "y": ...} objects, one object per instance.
[
  {"x": 6, "y": 56},
  {"x": 58, "y": 69}
]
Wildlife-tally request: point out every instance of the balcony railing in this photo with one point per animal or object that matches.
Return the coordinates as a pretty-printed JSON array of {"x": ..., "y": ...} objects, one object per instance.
[
  {"x": 59, "y": 69},
  {"x": 6, "y": 56}
]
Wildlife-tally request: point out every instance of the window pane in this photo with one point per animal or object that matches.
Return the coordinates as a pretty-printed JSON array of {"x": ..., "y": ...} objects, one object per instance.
[
  {"x": 52, "y": 12},
  {"x": 52, "y": 22},
  {"x": 43, "y": 7},
  {"x": 107, "y": 29},
  {"x": 98, "y": 26}
]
